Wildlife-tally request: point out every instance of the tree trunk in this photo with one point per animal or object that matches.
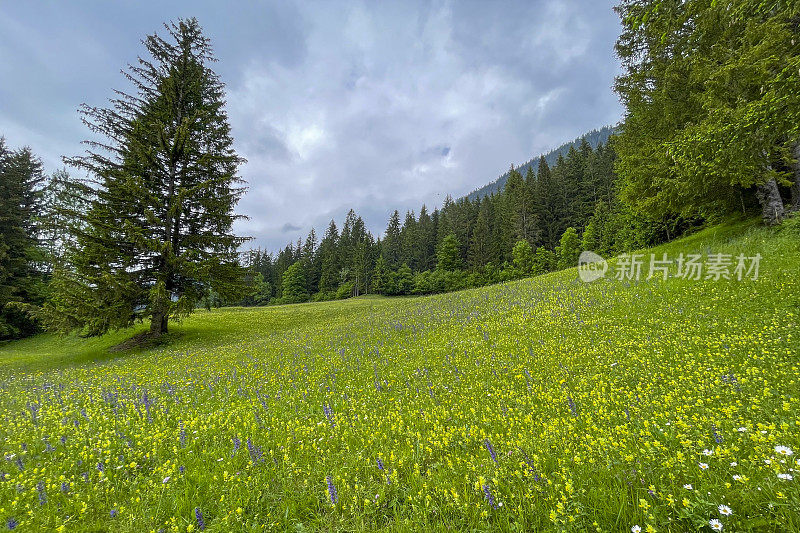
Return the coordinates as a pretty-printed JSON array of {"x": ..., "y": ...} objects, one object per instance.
[
  {"x": 771, "y": 203},
  {"x": 158, "y": 324},
  {"x": 795, "y": 206}
]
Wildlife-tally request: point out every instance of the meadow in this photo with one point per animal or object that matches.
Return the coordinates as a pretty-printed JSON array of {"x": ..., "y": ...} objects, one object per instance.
[{"x": 538, "y": 405}]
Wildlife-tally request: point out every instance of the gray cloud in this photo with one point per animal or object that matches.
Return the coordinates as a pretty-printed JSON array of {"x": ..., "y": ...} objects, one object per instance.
[
  {"x": 335, "y": 105},
  {"x": 290, "y": 227}
]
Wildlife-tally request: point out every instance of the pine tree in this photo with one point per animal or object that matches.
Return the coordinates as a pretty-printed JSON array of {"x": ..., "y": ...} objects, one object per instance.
[
  {"x": 65, "y": 205},
  {"x": 426, "y": 248},
  {"x": 380, "y": 276},
  {"x": 21, "y": 276},
  {"x": 480, "y": 251},
  {"x": 391, "y": 242},
  {"x": 310, "y": 263},
  {"x": 330, "y": 263},
  {"x": 518, "y": 216},
  {"x": 409, "y": 240},
  {"x": 546, "y": 205},
  {"x": 158, "y": 233}
]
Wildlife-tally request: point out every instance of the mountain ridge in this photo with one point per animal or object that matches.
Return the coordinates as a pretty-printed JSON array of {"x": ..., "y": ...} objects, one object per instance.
[{"x": 593, "y": 137}]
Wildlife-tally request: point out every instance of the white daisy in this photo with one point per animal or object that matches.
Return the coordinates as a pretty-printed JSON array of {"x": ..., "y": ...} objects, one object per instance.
[
  {"x": 787, "y": 477},
  {"x": 724, "y": 510},
  {"x": 708, "y": 452},
  {"x": 715, "y": 524},
  {"x": 688, "y": 486},
  {"x": 636, "y": 529},
  {"x": 783, "y": 450},
  {"x": 166, "y": 479},
  {"x": 703, "y": 466}
]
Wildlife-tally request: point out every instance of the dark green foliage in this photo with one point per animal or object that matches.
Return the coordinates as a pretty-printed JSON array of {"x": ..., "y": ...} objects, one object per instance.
[
  {"x": 402, "y": 281},
  {"x": 380, "y": 276},
  {"x": 449, "y": 257},
  {"x": 523, "y": 259},
  {"x": 262, "y": 290},
  {"x": 544, "y": 261},
  {"x": 391, "y": 242},
  {"x": 65, "y": 204},
  {"x": 712, "y": 106},
  {"x": 568, "y": 249},
  {"x": 481, "y": 249},
  {"x": 157, "y": 237},
  {"x": 294, "y": 285},
  {"x": 21, "y": 259}
]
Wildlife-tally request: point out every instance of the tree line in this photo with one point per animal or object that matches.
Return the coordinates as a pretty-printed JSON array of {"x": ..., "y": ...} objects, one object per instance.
[
  {"x": 711, "y": 128},
  {"x": 537, "y": 223}
]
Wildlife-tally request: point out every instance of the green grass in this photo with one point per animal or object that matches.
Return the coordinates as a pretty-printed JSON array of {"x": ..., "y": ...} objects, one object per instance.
[{"x": 597, "y": 400}]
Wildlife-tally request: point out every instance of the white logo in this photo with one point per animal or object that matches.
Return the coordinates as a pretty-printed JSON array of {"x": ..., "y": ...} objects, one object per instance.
[{"x": 591, "y": 266}]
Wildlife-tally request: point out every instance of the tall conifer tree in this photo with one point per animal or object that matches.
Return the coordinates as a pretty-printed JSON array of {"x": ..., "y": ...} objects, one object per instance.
[{"x": 158, "y": 235}]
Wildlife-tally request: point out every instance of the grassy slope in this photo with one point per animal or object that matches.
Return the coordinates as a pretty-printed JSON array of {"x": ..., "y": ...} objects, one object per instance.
[{"x": 590, "y": 395}]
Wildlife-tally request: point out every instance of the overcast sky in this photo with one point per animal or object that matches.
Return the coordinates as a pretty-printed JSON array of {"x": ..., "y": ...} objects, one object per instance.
[{"x": 374, "y": 106}]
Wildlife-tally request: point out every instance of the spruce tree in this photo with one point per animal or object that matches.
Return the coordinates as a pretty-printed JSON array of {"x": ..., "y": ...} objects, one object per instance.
[
  {"x": 158, "y": 234},
  {"x": 329, "y": 262},
  {"x": 380, "y": 276},
  {"x": 21, "y": 261},
  {"x": 546, "y": 204},
  {"x": 391, "y": 242},
  {"x": 480, "y": 251}
]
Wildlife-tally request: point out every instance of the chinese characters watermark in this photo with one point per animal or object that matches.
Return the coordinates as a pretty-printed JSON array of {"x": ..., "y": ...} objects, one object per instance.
[{"x": 635, "y": 267}]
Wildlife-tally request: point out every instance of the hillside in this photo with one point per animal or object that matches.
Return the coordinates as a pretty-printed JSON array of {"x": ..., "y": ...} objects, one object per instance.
[
  {"x": 541, "y": 404},
  {"x": 594, "y": 138}
]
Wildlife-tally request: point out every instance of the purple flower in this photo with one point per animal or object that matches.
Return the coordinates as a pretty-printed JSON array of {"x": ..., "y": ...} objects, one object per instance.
[
  {"x": 329, "y": 414},
  {"x": 42, "y": 493},
  {"x": 236, "y": 444},
  {"x": 489, "y": 447},
  {"x": 489, "y": 497},
  {"x": 380, "y": 463},
  {"x": 182, "y": 435},
  {"x": 572, "y": 406},
  {"x": 201, "y": 525},
  {"x": 332, "y": 491},
  {"x": 255, "y": 452},
  {"x": 717, "y": 436},
  {"x": 113, "y": 513},
  {"x": 12, "y": 523},
  {"x": 65, "y": 487}
]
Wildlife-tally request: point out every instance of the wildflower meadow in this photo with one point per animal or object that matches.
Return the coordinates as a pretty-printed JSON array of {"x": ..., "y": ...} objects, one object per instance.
[{"x": 546, "y": 404}]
